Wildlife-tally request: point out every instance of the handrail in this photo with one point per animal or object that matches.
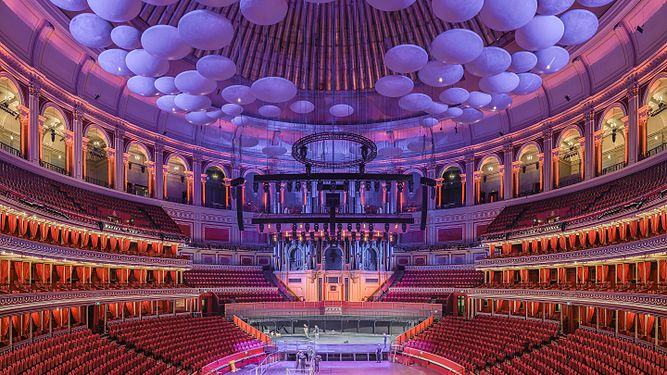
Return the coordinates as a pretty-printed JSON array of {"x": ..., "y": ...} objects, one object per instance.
[
  {"x": 268, "y": 361},
  {"x": 414, "y": 331},
  {"x": 228, "y": 363},
  {"x": 252, "y": 331}
]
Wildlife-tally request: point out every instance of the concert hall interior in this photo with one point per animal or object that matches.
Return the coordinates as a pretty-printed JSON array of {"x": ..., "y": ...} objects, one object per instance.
[{"x": 336, "y": 186}]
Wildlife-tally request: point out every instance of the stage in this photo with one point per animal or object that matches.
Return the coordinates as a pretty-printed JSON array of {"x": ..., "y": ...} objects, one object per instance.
[
  {"x": 335, "y": 346},
  {"x": 347, "y": 368}
]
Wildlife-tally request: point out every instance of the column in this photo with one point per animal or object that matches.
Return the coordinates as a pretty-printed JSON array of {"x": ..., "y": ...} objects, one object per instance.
[
  {"x": 189, "y": 181},
  {"x": 506, "y": 186},
  {"x": 24, "y": 123},
  {"x": 82, "y": 159},
  {"x": 556, "y": 166},
  {"x": 471, "y": 181},
  {"x": 463, "y": 189},
  {"x": 202, "y": 183},
  {"x": 636, "y": 131},
  {"x": 540, "y": 170},
  {"x": 119, "y": 170},
  {"x": 584, "y": 163},
  {"x": 598, "y": 151},
  {"x": 196, "y": 194},
  {"x": 150, "y": 169},
  {"x": 39, "y": 134},
  {"x": 34, "y": 134},
  {"x": 159, "y": 172},
  {"x": 547, "y": 172},
  {"x": 589, "y": 128},
  {"x": 123, "y": 177},
  {"x": 516, "y": 168},
  {"x": 69, "y": 152},
  {"x": 642, "y": 123},
  {"x": 477, "y": 178},
  {"x": 77, "y": 157},
  {"x": 111, "y": 169}
]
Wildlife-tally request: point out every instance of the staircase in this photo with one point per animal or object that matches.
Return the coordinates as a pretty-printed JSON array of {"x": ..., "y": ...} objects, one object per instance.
[
  {"x": 391, "y": 281},
  {"x": 284, "y": 291}
]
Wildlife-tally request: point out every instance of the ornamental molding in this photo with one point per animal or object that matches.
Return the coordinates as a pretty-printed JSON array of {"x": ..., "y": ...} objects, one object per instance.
[
  {"x": 644, "y": 303},
  {"x": 645, "y": 247},
  {"x": 19, "y": 246},
  {"x": 14, "y": 303}
]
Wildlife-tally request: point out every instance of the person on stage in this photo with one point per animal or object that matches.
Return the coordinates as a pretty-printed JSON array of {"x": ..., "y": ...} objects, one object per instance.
[
  {"x": 318, "y": 359},
  {"x": 385, "y": 341},
  {"x": 305, "y": 330},
  {"x": 378, "y": 354},
  {"x": 316, "y": 330}
]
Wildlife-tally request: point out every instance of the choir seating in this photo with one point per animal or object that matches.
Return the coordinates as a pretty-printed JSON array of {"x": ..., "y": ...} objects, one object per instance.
[
  {"x": 416, "y": 285},
  {"x": 586, "y": 352},
  {"x": 226, "y": 278},
  {"x": 484, "y": 340},
  {"x": 184, "y": 341},
  {"x": 80, "y": 353},
  {"x": 592, "y": 201},
  {"x": 80, "y": 204}
]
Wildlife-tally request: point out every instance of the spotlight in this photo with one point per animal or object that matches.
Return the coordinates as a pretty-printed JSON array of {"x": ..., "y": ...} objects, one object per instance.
[
  {"x": 53, "y": 135},
  {"x": 640, "y": 29},
  {"x": 97, "y": 96},
  {"x": 567, "y": 97}
]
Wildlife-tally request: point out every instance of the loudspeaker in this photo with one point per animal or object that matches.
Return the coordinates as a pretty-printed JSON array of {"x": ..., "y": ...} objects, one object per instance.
[
  {"x": 422, "y": 223},
  {"x": 239, "y": 206}
]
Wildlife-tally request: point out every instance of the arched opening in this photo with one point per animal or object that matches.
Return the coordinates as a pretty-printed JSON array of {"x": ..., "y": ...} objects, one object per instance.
[
  {"x": 137, "y": 173},
  {"x": 296, "y": 259},
  {"x": 569, "y": 163},
  {"x": 176, "y": 181},
  {"x": 370, "y": 260},
  {"x": 333, "y": 258},
  {"x": 450, "y": 193},
  {"x": 490, "y": 181},
  {"x": 10, "y": 123},
  {"x": 656, "y": 124},
  {"x": 54, "y": 153},
  {"x": 254, "y": 198},
  {"x": 412, "y": 194},
  {"x": 529, "y": 173},
  {"x": 215, "y": 189},
  {"x": 611, "y": 151},
  {"x": 97, "y": 157}
]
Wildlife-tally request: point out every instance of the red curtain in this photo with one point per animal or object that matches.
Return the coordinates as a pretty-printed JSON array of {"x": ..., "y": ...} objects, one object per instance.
[
  {"x": 544, "y": 244},
  {"x": 633, "y": 229},
  {"x": 643, "y": 226},
  {"x": 592, "y": 235},
  {"x": 573, "y": 240},
  {"x": 554, "y": 243},
  {"x": 126, "y": 245},
  {"x": 94, "y": 238},
  {"x": 622, "y": 231},
  {"x": 602, "y": 236},
  {"x": 11, "y": 218}
]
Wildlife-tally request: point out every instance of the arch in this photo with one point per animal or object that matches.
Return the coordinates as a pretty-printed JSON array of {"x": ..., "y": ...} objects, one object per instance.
[
  {"x": 447, "y": 166},
  {"x": 490, "y": 183},
  {"x": 655, "y": 132},
  {"x": 657, "y": 82},
  {"x": 54, "y": 151},
  {"x": 297, "y": 258},
  {"x": 450, "y": 191},
  {"x": 140, "y": 146},
  {"x": 333, "y": 258},
  {"x": 11, "y": 100},
  {"x": 178, "y": 158},
  {"x": 526, "y": 147},
  {"x": 137, "y": 175},
  {"x": 567, "y": 132},
  {"x": 55, "y": 107},
  {"x": 611, "y": 151},
  {"x": 100, "y": 131},
  {"x": 16, "y": 85},
  {"x": 216, "y": 164},
  {"x": 370, "y": 258},
  {"x": 216, "y": 191},
  {"x": 488, "y": 159}
]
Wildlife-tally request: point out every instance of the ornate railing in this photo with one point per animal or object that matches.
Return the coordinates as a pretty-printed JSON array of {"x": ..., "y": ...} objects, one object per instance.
[
  {"x": 10, "y": 149},
  {"x": 97, "y": 181},
  {"x": 53, "y": 167}
]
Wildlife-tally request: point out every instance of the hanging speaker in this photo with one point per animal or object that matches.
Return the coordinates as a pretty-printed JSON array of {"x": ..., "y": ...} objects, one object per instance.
[
  {"x": 422, "y": 223},
  {"x": 239, "y": 207}
]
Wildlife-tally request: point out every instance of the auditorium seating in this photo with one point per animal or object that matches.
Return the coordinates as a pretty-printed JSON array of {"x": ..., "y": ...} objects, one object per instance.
[
  {"x": 80, "y": 353},
  {"x": 484, "y": 340},
  {"x": 650, "y": 287},
  {"x": 184, "y": 341},
  {"x": 586, "y": 352},
  {"x": 426, "y": 278},
  {"x": 595, "y": 200},
  {"x": 79, "y": 204},
  {"x": 249, "y": 296},
  {"x": 415, "y": 297},
  {"x": 37, "y": 287},
  {"x": 227, "y": 278}
]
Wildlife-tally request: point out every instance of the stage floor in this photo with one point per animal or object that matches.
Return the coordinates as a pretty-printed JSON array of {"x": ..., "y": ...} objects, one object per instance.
[
  {"x": 353, "y": 368},
  {"x": 333, "y": 342}
]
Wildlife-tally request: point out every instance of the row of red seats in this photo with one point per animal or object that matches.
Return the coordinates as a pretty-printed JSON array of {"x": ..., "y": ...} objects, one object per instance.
[
  {"x": 226, "y": 278},
  {"x": 185, "y": 341},
  {"x": 484, "y": 340},
  {"x": 651, "y": 287},
  {"x": 249, "y": 296},
  {"x": 414, "y": 278},
  {"x": 37, "y": 287},
  {"x": 587, "y": 352},
  {"x": 81, "y": 204},
  {"x": 596, "y": 199},
  {"x": 415, "y": 297},
  {"x": 80, "y": 353}
]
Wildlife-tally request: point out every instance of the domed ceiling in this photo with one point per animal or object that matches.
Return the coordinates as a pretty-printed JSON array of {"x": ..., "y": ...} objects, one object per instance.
[{"x": 355, "y": 61}]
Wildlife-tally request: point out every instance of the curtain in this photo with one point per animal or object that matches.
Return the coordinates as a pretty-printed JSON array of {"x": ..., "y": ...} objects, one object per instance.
[
  {"x": 562, "y": 243},
  {"x": 18, "y": 270},
  {"x": 113, "y": 242},
  {"x": 602, "y": 236},
  {"x": 534, "y": 249},
  {"x": 544, "y": 245},
  {"x": 74, "y": 238},
  {"x": 492, "y": 248},
  {"x": 553, "y": 242},
  {"x": 55, "y": 233},
  {"x": 94, "y": 239},
  {"x": 3, "y": 221},
  {"x": 573, "y": 241},
  {"x": 126, "y": 245},
  {"x": 633, "y": 229},
  {"x": 643, "y": 226},
  {"x": 622, "y": 231},
  {"x": 655, "y": 224},
  {"x": 23, "y": 226},
  {"x": 11, "y": 218},
  {"x": 592, "y": 235},
  {"x": 33, "y": 229},
  {"x": 662, "y": 267},
  {"x": 43, "y": 231}
]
